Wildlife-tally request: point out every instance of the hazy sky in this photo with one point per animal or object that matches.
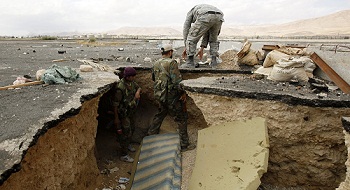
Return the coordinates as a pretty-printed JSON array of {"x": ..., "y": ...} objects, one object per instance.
[{"x": 24, "y": 17}]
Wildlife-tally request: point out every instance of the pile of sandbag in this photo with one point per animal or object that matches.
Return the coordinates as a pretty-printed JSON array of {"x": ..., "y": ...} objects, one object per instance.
[
  {"x": 285, "y": 64},
  {"x": 247, "y": 56}
]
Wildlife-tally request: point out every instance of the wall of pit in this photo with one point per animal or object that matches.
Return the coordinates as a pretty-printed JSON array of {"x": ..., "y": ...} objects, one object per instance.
[
  {"x": 63, "y": 157},
  {"x": 307, "y": 147}
]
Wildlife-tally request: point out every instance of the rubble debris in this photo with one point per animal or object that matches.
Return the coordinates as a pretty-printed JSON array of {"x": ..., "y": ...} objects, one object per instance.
[
  {"x": 62, "y": 52},
  {"x": 123, "y": 180},
  {"x": 39, "y": 74},
  {"x": 60, "y": 60},
  {"x": 86, "y": 68},
  {"x": 21, "y": 80},
  {"x": 99, "y": 66},
  {"x": 147, "y": 59}
]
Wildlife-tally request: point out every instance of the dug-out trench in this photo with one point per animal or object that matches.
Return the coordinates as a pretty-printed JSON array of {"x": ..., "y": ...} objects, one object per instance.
[{"x": 307, "y": 148}]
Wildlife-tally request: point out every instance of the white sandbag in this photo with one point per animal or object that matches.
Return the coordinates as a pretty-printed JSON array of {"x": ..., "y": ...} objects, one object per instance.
[
  {"x": 291, "y": 51},
  {"x": 244, "y": 49},
  {"x": 273, "y": 57},
  {"x": 290, "y": 62},
  {"x": 249, "y": 59},
  {"x": 260, "y": 54},
  {"x": 281, "y": 74},
  {"x": 39, "y": 74},
  {"x": 309, "y": 65},
  {"x": 86, "y": 68},
  {"x": 264, "y": 71}
]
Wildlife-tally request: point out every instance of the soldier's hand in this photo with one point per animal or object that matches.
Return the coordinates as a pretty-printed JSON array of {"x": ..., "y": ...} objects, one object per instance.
[
  {"x": 138, "y": 94},
  {"x": 200, "y": 53},
  {"x": 183, "y": 97},
  {"x": 184, "y": 54}
]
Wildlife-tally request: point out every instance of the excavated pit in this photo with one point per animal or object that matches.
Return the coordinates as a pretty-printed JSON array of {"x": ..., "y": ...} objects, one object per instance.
[{"x": 307, "y": 146}]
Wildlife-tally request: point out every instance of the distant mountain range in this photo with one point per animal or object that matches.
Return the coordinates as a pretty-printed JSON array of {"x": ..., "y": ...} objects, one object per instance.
[{"x": 333, "y": 24}]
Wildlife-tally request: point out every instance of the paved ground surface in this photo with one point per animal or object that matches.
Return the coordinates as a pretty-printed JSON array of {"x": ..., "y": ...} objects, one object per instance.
[{"x": 26, "y": 107}]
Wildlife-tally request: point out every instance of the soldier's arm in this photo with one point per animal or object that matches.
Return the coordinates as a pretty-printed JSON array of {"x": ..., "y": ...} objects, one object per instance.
[
  {"x": 138, "y": 92},
  {"x": 187, "y": 25},
  {"x": 118, "y": 96}
]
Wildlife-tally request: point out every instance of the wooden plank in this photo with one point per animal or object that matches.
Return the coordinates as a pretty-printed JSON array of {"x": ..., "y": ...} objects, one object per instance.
[
  {"x": 273, "y": 47},
  {"x": 340, "y": 82},
  {"x": 20, "y": 85}
]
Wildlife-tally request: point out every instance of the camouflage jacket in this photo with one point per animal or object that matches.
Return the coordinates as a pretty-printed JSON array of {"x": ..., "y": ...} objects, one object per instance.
[
  {"x": 167, "y": 77},
  {"x": 124, "y": 98}
]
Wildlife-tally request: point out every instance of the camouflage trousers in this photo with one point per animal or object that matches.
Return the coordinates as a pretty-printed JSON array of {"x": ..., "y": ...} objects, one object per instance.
[
  {"x": 176, "y": 109},
  {"x": 211, "y": 24},
  {"x": 124, "y": 139}
]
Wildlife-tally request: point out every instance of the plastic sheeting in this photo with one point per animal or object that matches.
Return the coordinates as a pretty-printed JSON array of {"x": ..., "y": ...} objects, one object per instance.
[{"x": 59, "y": 75}]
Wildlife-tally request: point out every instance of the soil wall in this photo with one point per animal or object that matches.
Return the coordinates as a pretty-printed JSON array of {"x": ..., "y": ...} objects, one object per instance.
[
  {"x": 346, "y": 184},
  {"x": 307, "y": 146},
  {"x": 63, "y": 157}
]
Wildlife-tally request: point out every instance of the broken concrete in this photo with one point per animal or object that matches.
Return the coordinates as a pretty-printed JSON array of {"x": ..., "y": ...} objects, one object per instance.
[{"x": 58, "y": 137}]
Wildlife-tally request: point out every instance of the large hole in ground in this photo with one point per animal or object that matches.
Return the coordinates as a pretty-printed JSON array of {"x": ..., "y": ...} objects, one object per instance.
[
  {"x": 304, "y": 146},
  {"x": 307, "y": 149}
]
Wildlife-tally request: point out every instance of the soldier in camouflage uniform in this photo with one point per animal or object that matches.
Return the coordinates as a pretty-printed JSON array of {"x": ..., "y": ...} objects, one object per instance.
[
  {"x": 207, "y": 21},
  {"x": 170, "y": 96},
  {"x": 127, "y": 95}
]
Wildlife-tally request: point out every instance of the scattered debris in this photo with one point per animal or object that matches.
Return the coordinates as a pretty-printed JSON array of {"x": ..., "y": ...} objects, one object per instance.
[
  {"x": 123, "y": 180},
  {"x": 86, "y": 68},
  {"x": 113, "y": 170},
  {"x": 21, "y": 80},
  {"x": 120, "y": 187},
  {"x": 39, "y": 74},
  {"x": 147, "y": 59},
  {"x": 60, "y": 60},
  {"x": 99, "y": 66}
]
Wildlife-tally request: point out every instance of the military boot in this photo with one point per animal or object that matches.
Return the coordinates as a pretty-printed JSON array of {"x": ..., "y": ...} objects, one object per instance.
[
  {"x": 213, "y": 62},
  {"x": 189, "y": 63}
]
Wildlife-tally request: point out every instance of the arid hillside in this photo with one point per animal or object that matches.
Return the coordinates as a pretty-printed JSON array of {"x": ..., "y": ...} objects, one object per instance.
[{"x": 333, "y": 24}]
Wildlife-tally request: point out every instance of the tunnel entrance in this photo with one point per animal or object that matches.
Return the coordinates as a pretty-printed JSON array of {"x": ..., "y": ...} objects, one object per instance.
[{"x": 107, "y": 147}]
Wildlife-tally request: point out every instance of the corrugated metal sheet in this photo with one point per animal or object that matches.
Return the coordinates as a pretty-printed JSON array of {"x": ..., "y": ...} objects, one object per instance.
[{"x": 159, "y": 164}]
